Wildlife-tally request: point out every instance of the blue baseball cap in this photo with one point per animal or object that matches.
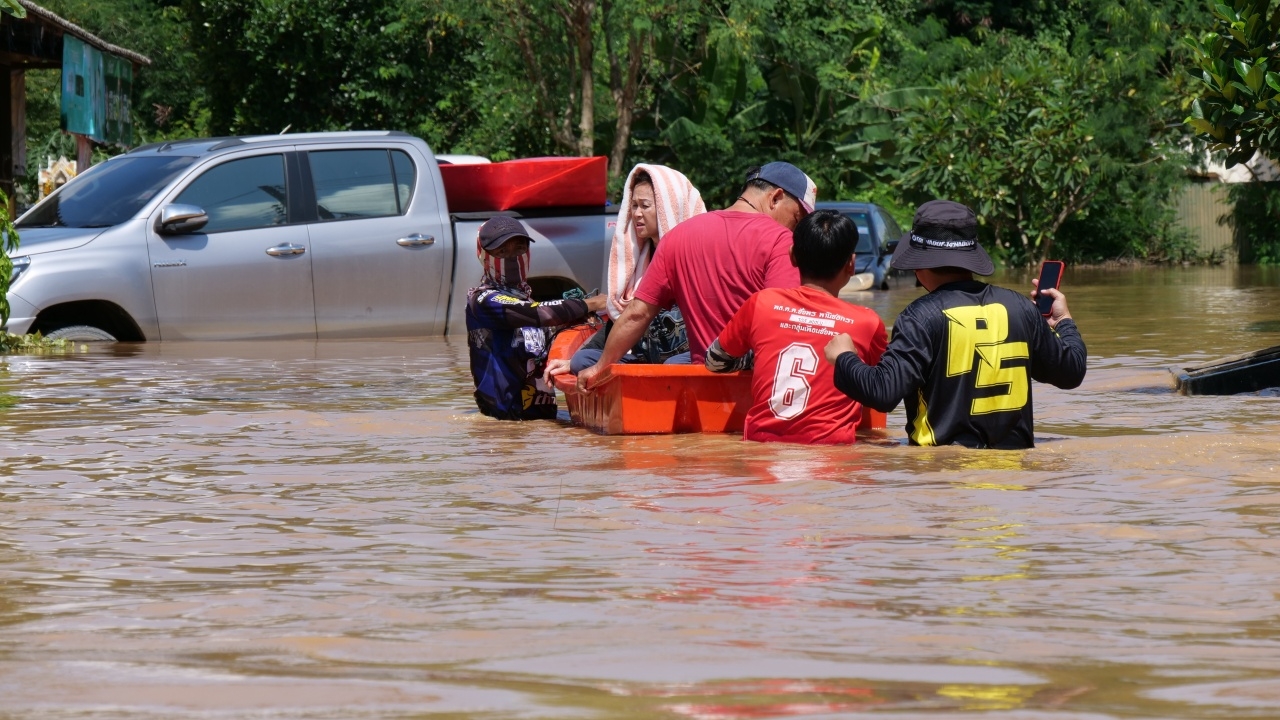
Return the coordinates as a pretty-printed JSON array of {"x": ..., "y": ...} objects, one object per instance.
[{"x": 791, "y": 179}]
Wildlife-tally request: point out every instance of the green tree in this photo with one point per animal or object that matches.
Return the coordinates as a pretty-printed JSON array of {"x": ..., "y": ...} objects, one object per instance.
[
  {"x": 8, "y": 244},
  {"x": 1133, "y": 95},
  {"x": 587, "y": 67},
  {"x": 1236, "y": 110},
  {"x": 767, "y": 81},
  {"x": 1238, "y": 64},
  {"x": 8, "y": 235},
  {"x": 311, "y": 65},
  {"x": 1012, "y": 141}
]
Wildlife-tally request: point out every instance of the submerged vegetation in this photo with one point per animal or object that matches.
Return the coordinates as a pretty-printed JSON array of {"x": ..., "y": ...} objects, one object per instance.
[
  {"x": 36, "y": 344},
  {"x": 1061, "y": 122}
]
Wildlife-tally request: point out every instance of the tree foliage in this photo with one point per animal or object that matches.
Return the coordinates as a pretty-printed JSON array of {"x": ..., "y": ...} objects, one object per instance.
[
  {"x": 1238, "y": 108},
  {"x": 1014, "y": 142},
  {"x": 769, "y": 81},
  {"x": 1254, "y": 219},
  {"x": 589, "y": 66},
  {"x": 8, "y": 235},
  {"x": 1060, "y": 120},
  {"x": 309, "y": 65},
  {"x": 8, "y": 244}
]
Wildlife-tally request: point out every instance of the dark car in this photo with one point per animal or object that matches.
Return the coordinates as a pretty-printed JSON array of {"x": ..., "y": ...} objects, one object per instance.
[{"x": 878, "y": 234}]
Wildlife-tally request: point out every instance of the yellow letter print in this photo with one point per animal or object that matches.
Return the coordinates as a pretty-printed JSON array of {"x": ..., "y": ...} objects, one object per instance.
[{"x": 981, "y": 330}]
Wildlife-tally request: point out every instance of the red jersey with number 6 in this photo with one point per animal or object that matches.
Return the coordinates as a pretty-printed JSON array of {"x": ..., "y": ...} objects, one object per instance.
[{"x": 793, "y": 387}]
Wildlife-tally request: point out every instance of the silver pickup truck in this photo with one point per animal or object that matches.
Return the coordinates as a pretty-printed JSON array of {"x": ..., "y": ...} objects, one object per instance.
[{"x": 322, "y": 235}]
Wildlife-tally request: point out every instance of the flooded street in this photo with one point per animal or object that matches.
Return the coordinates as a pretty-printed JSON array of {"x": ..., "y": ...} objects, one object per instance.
[{"x": 332, "y": 531}]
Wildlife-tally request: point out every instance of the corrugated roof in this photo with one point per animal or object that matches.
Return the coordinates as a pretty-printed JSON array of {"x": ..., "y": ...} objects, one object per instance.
[{"x": 72, "y": 29}]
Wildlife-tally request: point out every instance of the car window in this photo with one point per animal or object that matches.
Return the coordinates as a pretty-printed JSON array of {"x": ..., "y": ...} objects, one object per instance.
[
  {"x": 864, "y": 231},
  {"x": 108, "y": 193},
  {"x": 891, "y": 225},
  {"x": 240, "y": 194},
  {"x": 353, "y": 184},
  {"x": 882, "y": 232},
  {"x": 406, "y": 178}
]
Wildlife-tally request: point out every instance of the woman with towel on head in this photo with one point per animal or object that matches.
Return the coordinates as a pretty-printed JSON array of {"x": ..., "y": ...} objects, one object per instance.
[{"x": 655, "y": 199}]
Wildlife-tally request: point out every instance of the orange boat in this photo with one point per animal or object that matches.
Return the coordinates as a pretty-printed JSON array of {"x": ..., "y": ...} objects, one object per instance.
[{"x": 661, "y": 399}]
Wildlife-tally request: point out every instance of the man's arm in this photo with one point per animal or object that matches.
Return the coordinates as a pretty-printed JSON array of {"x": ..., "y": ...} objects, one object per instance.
[
  {"x": 718, "y": 360},
  {"x": 901, "y": 369},
  {"x": 729, "y": 351},
  {"x": 1061, "y": 359},
  {"x": 627, "y": 331},
  {"x": 513, "y": 312},
  {"x": 1058, "y": 354}
]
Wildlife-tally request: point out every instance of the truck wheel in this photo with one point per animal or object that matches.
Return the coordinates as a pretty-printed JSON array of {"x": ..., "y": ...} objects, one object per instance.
[{"x": 81, "y": 333}]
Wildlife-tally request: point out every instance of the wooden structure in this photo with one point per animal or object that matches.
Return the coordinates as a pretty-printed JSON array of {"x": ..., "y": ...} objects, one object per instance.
[{"x": 35, "y": 43}]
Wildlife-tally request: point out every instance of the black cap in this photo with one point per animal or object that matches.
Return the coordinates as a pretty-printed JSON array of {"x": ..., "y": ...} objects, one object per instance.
[
  {"x": 500, "y": 229},
  {"x": 943, "y": 234}
]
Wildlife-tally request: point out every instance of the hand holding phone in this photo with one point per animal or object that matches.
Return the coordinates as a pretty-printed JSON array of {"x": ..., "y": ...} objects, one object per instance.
[{"x": 1050, "y": 277}]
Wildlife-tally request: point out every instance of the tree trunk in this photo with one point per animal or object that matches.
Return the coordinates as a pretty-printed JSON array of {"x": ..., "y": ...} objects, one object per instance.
[
  {"x": 1021, "y": 228},
  {"x": 548, "y": 98},
  {"x": 1075, "y": 204},
  {"x": 624, "y": 101},
  {"x": 583, "y": 14}
]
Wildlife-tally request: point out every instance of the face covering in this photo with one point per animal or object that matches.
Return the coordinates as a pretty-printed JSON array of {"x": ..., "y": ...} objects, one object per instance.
[{"x": 508, "y": 273}]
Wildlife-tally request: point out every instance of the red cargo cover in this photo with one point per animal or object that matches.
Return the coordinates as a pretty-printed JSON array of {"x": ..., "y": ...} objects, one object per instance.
[{"x": 527, "y": 183}]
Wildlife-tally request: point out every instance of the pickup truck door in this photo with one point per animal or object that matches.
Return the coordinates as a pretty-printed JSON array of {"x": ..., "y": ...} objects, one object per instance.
[
  {"x": 247, "y": 273},
  {"x": 380, "y": 249}
]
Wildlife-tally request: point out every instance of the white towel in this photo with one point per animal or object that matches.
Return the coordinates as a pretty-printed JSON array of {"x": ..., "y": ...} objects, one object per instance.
[{"x": 676, "y": 199}]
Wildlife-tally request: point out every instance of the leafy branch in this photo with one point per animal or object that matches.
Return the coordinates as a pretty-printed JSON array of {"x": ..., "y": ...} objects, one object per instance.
[{"x": 1238, "y": 104}]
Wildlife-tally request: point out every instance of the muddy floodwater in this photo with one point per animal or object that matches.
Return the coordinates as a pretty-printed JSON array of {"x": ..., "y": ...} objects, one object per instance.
[{"x": 330, "y": 530}]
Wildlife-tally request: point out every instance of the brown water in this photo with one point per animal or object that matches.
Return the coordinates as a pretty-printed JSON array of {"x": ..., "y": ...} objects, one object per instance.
[{"x": 332, "y": 531}]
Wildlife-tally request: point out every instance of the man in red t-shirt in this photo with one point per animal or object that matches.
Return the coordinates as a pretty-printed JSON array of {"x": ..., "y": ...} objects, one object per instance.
[
  {"x": 710, "y": 264},
  {"x": 794, "y": 397}
]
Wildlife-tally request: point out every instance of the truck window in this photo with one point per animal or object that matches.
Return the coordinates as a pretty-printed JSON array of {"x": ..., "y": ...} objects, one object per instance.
[
  {"x": 406, "y": 178},
  {"x": 240, "y": 194},
  {"x": 107, "y": 194},
  {"x": 354, "y": 184}
]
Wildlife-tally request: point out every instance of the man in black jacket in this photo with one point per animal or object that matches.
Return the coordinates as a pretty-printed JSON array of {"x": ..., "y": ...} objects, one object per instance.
[{"x": 962, "y": 356}]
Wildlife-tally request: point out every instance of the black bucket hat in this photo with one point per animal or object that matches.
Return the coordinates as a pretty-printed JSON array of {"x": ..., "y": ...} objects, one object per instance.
[{"x": 943, "y": 234}]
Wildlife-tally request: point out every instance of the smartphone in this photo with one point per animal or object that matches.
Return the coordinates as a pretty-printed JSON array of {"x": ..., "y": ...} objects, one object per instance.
[{"x": 1050, "y": 277}]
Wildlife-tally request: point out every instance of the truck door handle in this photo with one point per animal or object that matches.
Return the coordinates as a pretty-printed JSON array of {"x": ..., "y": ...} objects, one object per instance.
[
  {"x": 416, "y": 240},
  {"x": 286, "y": 249}
]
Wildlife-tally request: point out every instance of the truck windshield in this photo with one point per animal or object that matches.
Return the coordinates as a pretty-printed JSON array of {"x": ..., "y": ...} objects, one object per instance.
[{"x": 106, "y": 194}]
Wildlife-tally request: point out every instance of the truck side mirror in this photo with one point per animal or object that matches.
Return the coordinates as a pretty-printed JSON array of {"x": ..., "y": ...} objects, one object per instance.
[
  {"x": 890, "y": 246},
  {"x": 181, "y": 219}
]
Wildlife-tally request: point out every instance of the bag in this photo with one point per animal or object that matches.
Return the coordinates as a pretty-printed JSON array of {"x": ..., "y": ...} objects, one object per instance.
[{"x": 664, "y": 338}]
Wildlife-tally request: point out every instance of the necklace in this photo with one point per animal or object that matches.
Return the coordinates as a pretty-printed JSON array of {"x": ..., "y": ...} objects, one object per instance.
[{"x": 753, "y": 207}]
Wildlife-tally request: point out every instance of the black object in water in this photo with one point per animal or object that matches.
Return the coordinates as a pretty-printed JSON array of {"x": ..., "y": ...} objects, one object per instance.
[{"x": 1249, "y": 372}]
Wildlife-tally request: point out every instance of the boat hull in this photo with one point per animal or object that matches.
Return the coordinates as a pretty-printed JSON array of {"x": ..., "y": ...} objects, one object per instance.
[
  {"x": 640, "y": 399},
  {"x": 1245, "y": 373}
]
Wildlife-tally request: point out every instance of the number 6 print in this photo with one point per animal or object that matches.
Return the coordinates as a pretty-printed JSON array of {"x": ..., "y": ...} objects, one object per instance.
[{"x": 790, "y": 386}]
